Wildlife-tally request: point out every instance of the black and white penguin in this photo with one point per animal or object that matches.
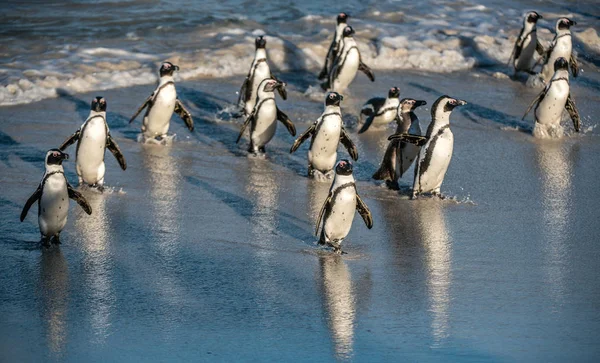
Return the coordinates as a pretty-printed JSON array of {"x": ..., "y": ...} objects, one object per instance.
[
  {"x": 551, "y": 102},
  {"x": 259, "y": 71},
  {"x": 337, "y": 212},
  {"x": 346, "y": 64},
  {"x": 561, "y": 47},
  {"x": 400, "y": 155},
  {"x": 52, "y": 196},
  {"x": 327, "y": 132},
  {"x": 264, "y": 116},
  {"x": 93, "y": 138},
  {"x": 527, "y": 44},
  {"x": 437, "y": 146},
  {"x": 160, "y": 106},
  {"x": 380, "y": 111},
  {"x": 342, "y": 18}
]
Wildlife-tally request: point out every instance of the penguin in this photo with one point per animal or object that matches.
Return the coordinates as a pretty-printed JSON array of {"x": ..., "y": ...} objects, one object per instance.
[
  {"x": 380, "y": 111},
  {"x": 346, "y": 64},
  {"x": 561, "y": 46},
  {"x": 259, "y": 71},
  {"x": 549, "y": 104},
  {"x": 526, "y": 44},
  {"x": 93, "y": 138},
  {"x": 338, "y": 210},
  {"x": 264, "y": 116},
  {"x": 160, "y": 106},
  {"x": 399, "y": 155},
  {"x": 52, "y": 196},
  {"x": 437, "y": 145},
  {"x": 342, "y": 18},
  {"x": 327, "y": 132}
]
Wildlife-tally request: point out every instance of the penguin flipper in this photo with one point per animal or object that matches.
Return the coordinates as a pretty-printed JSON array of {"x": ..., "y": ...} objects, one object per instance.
[
  {"x": 348, "y": 144},
  {"x": 287, "y": 122},
  {"x": 281, "y": 89},
  {"x": 366, "y": 70},
  {"x": 184, "y": 114},
  {"x": 305, "y": 135},
  {"x": 322, "y": 212},
  {"x": 535, "y": 101},
  {"x": 114, "y": 149},
  {"x": 574, "y": 65},
  {"x": 364, "y": 211},
  {"x": 34, "y": 197},
  {"x": 70, "y": 141},
  {"x": 516, "y": 52},
  {"x": 386, "y": 169},
  {"x": 367, "y": 123},
  {"x": 147, "y": 102},
  {"x": 78, "y": 197},
  {"x": 410, "y": 138},
  {"x": 244, "y": 125},
  {"x": 539, "y": 48},
  {"x": 572, "y": 109},
  {"x": 243, "y": 92}
]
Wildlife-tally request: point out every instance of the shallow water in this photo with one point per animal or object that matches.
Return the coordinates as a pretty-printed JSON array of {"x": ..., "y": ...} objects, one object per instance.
[{"x": 198, "y": 252}]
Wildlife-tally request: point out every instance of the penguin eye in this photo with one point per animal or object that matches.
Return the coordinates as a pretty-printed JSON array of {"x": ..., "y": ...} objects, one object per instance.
[{"x": 332, "y": 96}]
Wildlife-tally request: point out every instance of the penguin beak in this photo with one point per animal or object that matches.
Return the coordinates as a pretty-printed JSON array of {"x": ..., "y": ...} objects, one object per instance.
[
  {"x": 175, "y": 68},
  {"x": 461, "y": 102},
  {"x": 539, "y": 16},
  {"x": 571, "y": 22},
  {"x": 419, "y": 103},
  {"x": 65, "y": 156}
]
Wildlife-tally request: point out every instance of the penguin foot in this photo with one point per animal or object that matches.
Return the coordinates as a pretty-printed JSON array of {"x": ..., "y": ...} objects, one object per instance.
[
  {"x": 45, "y": 241},
  {"x": 55, "y": 240},
  {"x": 392, "y": 184}
]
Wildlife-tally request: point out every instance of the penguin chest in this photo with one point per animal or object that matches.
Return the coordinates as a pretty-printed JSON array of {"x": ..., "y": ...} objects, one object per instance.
[
  {"x": 433, "y": 162},
  {"x": 261, "y": 73},
  {"x": 525, "y": 60},
  {"x": 323, "y": 150},
  {"x": 90, "y": 151},
  {"x": 339, "y": 220},
  {"x": 265, "y": 123},
  {"x": 407, "y": 152},
  {"x": 386, "y": 115},
  {"x": 550, "y": 109},
  {"x": 156, "y": 123},
  {"x": 54, "y": 205},
  {"x": 348, "y": 70}
]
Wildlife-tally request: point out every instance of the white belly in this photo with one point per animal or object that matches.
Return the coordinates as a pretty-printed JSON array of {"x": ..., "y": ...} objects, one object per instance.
[
  {"x": 405, "y": 157},
  {"x": 549, "y": 111},
  {"x": 54, "y": 205},
  {"x": 265, "y": 124},
  {"x": 322, "y": 154},
  {"x": 430, "y": 177},
  {"x": 338, "y": 224},
  {"x": 90, "y": 151},
  {"x": 156, "y": 122},
  {"x": 261, "y": 73},
  {"x": 562, "y": 49},
  {"x": 348, "y": 71},
  {"x": 384, "y": 119},
  {"x": 526, "y": 60}
]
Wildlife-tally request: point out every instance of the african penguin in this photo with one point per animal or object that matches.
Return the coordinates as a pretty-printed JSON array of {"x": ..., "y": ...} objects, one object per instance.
[
  {"x": 342, "y": 18},
  {"x": 551, "y": 102},
  {"x": 52, "y": 196},
  {"x": 338, "y": 210},
  {"x": 160, "y": 106},
  {"x": 93, "y": 137},
  {"x": 259, "y": 71},
  {"x": 526, "y": 44},
  {"x": 436, "y": 151},
  {"x": 380, "y": 111},
  {"x": 400, "y": 155},
  {"x": 561, "y": 47},
  {"x": 346, "y": 64},
  {"x": 264, "y": 116},
  {"x": 327, "y": 132}
]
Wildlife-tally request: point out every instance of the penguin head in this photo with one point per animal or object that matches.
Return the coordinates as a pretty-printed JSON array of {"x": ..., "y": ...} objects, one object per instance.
[
  {"x": 333, "y": 99},
  {"x": 260, "y": 42},
  {"x": 533, "y": 17},
  {"x": 98, "y": 104},
  {"x": 348, "y": 31},
  {"x": 564, "y": 24},
  {"x": 343, "y": 167},
  {"x": 408, "y": 104},
  {"x": 394, "y": 92},
  {"x": 167, "y": 69},
  {"x": 560, "y": 64},
  {"x": 55, "y": 157},
  {"x": 342, "y": 18},
  {"x": 445, "y": 104},
  {"x": 272, "y": 84}
]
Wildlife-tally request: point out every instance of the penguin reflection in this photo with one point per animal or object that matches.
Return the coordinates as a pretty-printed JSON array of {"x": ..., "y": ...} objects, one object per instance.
[
  {"x": 555, "y": 160},
  {"x": 263, "y": 188},
  {"x": 54, "y": 288},
  {"x": 94, "y": 233},
  {"x": 436, "y": 241},
  {"x": 339, "y": 303}
]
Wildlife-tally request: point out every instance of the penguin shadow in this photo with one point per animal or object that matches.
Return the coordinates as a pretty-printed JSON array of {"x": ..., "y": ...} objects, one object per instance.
[
  {"x": 245, "y": 208},
  {"x": 470, "y": 48},
  {"x": 26, "y": 153},
  {"x": 81, "y": 107}
]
